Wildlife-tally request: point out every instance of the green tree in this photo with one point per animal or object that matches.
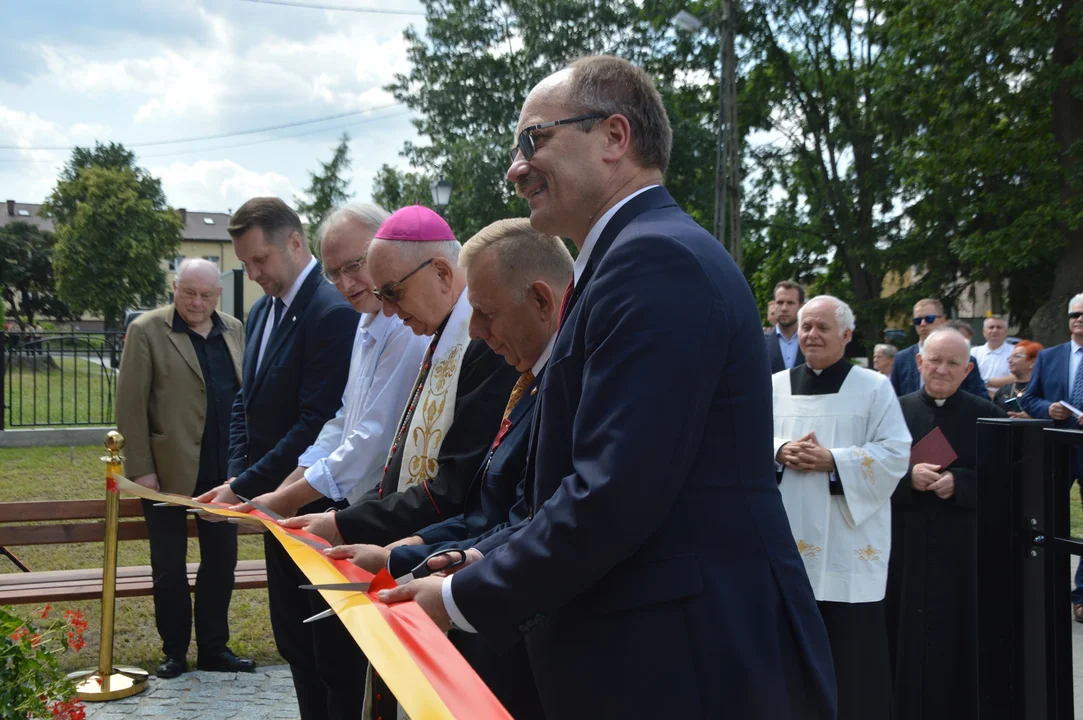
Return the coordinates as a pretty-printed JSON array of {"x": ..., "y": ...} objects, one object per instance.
[
  {"x": 26, "y": 273},
  {"x": 327, "y": 189},
  {"x": 114, "y": 230},
  {"x": 393, "y": 189}
]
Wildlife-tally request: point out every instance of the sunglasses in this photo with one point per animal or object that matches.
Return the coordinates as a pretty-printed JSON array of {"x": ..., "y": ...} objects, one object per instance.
[
  {"x": 1075, "y": 315},
  {"x": 927, "y": 319},
  {"x": 526, "y": 137},
  {"x": 350, "y": 268},
  {"x": 390, "y": 292}
]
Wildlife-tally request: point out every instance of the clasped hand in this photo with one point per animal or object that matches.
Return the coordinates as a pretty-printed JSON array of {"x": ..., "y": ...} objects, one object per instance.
[
  {"x": 807, "y": 455},
  {"x": 925, "y": 477}
]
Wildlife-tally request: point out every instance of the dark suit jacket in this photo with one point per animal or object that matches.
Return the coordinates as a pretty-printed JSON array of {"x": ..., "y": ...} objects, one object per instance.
[
  {"x": 497, "y": 488},
  {"x": 280, "y": 410},
  {"x": 1049, "y": 384},
  {"x": 658, "y": 570},
  {"x": 383, "y": 515},
  {"x": 906, "y": 379},
  {"x": 774, "y": 353}
]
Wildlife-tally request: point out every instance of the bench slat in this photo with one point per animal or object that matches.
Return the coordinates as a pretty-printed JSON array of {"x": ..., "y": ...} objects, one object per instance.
[
  {"x": 36, "y": 511},
  {"x": 85, "y": 532},
  {"x": 86, "y": 584}
]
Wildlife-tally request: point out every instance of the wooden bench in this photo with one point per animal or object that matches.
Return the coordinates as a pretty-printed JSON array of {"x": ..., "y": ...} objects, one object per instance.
[{"x": 53, "y": 525}]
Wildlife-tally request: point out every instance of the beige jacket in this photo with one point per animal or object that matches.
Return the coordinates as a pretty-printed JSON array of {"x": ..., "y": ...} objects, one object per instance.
[{"x": 162, "y": 401}]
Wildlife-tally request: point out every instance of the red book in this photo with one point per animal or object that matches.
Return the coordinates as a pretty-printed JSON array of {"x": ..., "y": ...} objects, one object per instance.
[{"x": 933, "y": 449}]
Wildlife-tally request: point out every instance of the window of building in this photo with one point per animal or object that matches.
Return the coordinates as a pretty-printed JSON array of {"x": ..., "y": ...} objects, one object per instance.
[
  {"x": 175, "y": 263},
  {"x": 24, "y": 213},
  {"x": 208, "y": 221},
  {"x": 212, "y": 258}
]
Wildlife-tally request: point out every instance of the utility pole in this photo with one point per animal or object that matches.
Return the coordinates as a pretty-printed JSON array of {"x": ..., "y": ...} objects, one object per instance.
[{"x": 727, "y": 212}]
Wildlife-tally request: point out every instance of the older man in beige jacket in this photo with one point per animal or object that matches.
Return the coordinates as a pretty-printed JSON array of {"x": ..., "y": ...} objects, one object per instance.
[{"x": 180, "y": 371}]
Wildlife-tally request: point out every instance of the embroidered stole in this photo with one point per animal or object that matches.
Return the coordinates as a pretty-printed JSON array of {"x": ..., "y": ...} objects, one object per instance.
[{"x": 435, "y": 403}]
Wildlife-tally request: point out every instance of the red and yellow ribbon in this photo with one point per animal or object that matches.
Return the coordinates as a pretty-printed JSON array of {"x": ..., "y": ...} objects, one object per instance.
[{"x": 424, "y": 671}]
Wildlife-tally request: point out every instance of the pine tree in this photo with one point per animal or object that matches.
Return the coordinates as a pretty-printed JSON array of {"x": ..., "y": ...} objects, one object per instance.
[{"x": 328, "y": 189}]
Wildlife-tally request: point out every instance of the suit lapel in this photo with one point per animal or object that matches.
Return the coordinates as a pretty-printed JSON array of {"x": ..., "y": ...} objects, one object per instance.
[
  {"x": 235, "y": 347},
  {"x": 184, "y": 346},
  {"x": 258, "y": 322},
  {"x": 288, "y": 323}
]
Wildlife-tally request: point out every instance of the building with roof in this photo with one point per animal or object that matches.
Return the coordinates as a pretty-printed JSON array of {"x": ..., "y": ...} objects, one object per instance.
[{"x": 203, "y": 235}]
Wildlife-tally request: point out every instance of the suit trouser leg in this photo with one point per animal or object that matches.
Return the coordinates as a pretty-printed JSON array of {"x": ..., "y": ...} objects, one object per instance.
[
  {"x": 327, "y": 666},
  {"x": 167, "y": 530},
  {"x": 214, "y": 584}
]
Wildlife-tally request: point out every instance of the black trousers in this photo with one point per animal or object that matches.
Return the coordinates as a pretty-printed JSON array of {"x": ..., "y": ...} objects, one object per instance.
[
  {"x": 168, "y": 531},
  {"x": 327, "y": 666},
  {"x": 858, "y": 636}
]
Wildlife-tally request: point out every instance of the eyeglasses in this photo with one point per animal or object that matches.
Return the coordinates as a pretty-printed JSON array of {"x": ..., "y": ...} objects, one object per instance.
[
  {"x": 526, "y": 137},
  {"x": 390, "y": 292},
  {"x": 351, "y": 268},
  {"x": 1075, "y": 315},
  {"x": 927, "y": 319}
]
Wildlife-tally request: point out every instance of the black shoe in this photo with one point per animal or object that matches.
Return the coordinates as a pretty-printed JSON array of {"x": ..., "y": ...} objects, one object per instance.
[
  {"x": 171, "y": 668},
  {"x": 225, "y": 661}
]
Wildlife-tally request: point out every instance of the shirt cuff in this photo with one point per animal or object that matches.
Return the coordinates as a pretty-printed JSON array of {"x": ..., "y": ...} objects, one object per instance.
[
  {"x": 457, "y": 620},
  {"x": 319, "y": 477},
  {"x": 313, "y": 455}
]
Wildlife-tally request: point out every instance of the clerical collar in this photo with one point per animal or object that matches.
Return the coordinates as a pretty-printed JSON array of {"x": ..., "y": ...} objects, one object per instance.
[
  {"x": 828, "y": 381},
  {"x": 596, "y": 231},
  {"x": 937, "y": 402}
]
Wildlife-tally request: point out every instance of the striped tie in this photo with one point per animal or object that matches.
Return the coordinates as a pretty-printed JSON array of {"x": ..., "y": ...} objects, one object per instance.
[{"x": 517, "y": 392}]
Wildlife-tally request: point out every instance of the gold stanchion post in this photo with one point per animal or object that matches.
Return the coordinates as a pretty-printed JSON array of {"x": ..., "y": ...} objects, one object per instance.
[{"x": 108, "y": 682}]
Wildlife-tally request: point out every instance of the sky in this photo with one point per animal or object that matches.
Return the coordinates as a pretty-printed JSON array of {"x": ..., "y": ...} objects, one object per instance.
[{"x": 144, "y": 71}]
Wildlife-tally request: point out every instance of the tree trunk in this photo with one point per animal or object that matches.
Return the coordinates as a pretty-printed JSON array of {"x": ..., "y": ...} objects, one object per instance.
[{"x": 1049, "y": 324}]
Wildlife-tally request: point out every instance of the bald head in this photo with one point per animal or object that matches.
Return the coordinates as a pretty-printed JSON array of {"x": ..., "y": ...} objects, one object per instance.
[
  {"x": 193, "y": 268},
  {"x": 944, "y": 362},
  {"x": 196, "y": 290}
]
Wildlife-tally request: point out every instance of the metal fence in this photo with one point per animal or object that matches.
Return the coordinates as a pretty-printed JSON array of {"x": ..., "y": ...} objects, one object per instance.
[{"x": 51, "y": 379}]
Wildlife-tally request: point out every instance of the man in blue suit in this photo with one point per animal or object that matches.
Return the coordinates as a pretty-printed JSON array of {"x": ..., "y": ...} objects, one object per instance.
[
  {"x": 1058, "y": 377},
  {"x": 905, "y": 378},
  {"x": 657, "y": 573},
  {"x": 783, "y": 349},
  {"x": 516, "y": 278},
  {"x": 299, "y": 339}
]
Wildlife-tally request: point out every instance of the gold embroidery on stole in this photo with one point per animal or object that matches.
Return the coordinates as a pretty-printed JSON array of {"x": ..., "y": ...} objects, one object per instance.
[{"x": 427, "y": 436}]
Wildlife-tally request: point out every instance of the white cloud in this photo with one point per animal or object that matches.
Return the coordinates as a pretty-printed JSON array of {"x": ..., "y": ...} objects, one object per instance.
[{"x": 218, "y": 185}]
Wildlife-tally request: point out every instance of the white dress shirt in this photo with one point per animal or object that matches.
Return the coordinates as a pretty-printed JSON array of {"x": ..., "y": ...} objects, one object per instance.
[
  {"x": 287, "y": 300},
  {"x": 992, "y": 363},
  {"x": 347, "y": 459},
  {"x": 457, "y": 618}
]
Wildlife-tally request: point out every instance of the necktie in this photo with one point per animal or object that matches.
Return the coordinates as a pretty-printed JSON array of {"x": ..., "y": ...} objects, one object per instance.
[
  {"x": 280, "y": 307},
  {"x": 517, "y": 392},
  {"x": 1075, "y": 397},
  {"x": 564, "y": 302}
]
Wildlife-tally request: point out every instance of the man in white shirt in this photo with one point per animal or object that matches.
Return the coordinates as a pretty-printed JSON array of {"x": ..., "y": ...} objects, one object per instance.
[
  {"x": 841, "y": 445},
  {"x": 992, "y": 357}
]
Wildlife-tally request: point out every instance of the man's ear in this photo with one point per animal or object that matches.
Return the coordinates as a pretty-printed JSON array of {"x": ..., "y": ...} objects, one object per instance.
[{"x": 543, "y": 298}]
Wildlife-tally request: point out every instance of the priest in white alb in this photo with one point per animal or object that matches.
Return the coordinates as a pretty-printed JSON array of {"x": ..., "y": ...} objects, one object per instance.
[{"x": 841, "y": 446}]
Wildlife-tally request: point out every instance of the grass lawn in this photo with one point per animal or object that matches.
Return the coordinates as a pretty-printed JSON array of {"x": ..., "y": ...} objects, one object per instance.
[
  {"x": 77, "y": 392},
  {"x": 64, "y": 473}
]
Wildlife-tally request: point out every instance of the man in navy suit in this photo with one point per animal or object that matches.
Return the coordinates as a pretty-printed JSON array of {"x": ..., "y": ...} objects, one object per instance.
[
  {"x": 905, "y": 378},
  {"x": 300, "y": 336},
  {"x": 516, "y": 278},
  {"x": 657, "y": 573},
  {"x": 1058, "y": 377},
  {"x": 783, "y": 350}
]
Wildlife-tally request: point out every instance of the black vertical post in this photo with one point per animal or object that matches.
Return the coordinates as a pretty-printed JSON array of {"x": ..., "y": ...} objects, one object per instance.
[
  {"x": 238, "y": 294},
  {"x": 3, "y": 374}
]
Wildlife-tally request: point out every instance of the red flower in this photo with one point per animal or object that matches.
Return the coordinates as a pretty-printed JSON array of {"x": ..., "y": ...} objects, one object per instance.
[
  {"x": 36, "y": 640},
  {"x": 19, "y": 634},
  {"x": 45, "y": 611},
  {"x": 70, "y": 710}
]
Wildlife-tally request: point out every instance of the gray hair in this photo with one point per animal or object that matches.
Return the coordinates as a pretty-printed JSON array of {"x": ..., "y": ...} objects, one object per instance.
[
  {"x": 196, "y": 265},
  {"x": 1077, "y": 300},
  {"x": 525, "y": 255},
  {"x": 844, "y": 316},
  {"x": 418, "y": 252},
  {"x": 368, "y": 214},
  {"x": 889, "y": 351},
  {"x": 946, "y": 331}
]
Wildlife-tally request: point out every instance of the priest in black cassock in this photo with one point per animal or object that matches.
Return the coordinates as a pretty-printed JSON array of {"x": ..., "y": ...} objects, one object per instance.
[{"x": 931, "y": 592}]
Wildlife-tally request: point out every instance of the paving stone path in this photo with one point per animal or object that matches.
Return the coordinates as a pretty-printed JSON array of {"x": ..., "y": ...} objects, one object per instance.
[{"x": 262, "y": 695}]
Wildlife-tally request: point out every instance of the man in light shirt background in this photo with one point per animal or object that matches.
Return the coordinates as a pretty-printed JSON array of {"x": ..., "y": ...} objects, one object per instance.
[{"x": 992, "y": 357}]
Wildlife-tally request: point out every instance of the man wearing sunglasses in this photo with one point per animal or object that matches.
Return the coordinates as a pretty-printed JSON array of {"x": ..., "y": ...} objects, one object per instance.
[
  {"x": 1056, "y": 383},
  {"x": 656, "y": 572},
  {"x": 905, "y": 378}
]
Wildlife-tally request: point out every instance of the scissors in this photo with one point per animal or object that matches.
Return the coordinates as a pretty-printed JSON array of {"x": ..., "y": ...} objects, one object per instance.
[
  {"x": 422, "y": 570},
  {"x": 276, "y": 517}
]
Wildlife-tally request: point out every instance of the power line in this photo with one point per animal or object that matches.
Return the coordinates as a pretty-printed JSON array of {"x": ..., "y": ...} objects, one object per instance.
[
  {"x": 240, "y": 145},
  {"x": 316, "y": 6},
  {"x": 219, "y": 136}
]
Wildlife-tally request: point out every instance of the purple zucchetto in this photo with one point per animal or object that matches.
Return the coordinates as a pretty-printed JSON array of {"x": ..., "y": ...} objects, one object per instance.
[{"x": 415, "y": 223}]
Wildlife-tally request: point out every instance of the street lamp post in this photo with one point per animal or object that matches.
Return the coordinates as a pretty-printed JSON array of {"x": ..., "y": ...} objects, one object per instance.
[
  {"x": 727, "y": 209},
  {"x": 441, "y": 194}
]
